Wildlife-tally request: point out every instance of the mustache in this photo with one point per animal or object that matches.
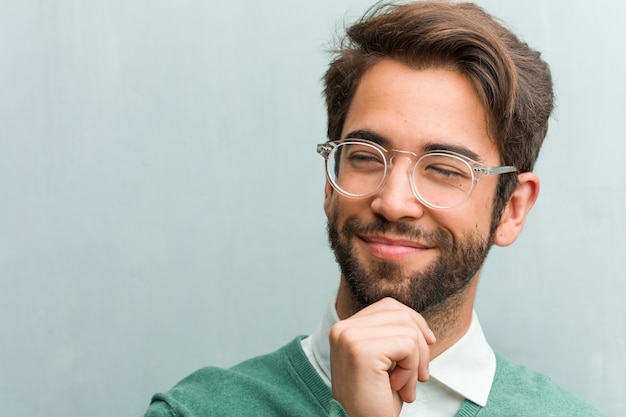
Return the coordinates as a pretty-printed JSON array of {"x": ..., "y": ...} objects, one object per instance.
[{"x": 379, "y": 225}]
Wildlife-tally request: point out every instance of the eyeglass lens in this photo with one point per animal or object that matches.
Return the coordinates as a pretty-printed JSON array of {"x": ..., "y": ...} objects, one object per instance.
[{"x": 439, "y": 179}]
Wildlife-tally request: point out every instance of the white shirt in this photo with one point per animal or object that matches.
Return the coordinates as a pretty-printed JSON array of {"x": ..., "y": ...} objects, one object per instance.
[{"x": 463, "y": 371}]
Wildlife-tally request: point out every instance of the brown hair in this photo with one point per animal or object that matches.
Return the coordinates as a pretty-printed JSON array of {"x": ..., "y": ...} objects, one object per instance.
[{"x": 511, "y": 79}]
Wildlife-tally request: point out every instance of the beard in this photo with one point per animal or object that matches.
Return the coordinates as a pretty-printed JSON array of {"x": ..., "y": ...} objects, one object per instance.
[{"x": 440, "y": 283}]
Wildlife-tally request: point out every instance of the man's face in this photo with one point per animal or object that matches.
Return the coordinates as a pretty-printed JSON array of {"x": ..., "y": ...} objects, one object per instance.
[{"x": 389, "y": 244}]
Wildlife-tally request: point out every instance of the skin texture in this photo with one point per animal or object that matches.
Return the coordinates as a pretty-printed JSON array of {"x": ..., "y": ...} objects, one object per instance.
[{"x": 382, "y": 347}]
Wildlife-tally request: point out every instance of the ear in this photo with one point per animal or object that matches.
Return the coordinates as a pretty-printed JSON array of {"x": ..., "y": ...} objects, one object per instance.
[
  {"x": 328, "y": 193},
  {"x": 517, "y": 208}
]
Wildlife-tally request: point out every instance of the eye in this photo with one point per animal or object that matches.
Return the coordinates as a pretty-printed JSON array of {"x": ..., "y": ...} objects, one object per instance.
[
  {"x": 442, "y": 170},
  {"x": 363, "y": 157}
]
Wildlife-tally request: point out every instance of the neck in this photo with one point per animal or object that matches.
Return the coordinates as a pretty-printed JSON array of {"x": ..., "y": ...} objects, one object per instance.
[{"x": 450, "y": 319}]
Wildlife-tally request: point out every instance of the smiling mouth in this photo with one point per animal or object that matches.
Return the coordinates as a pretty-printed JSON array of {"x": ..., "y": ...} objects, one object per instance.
[{"x": 392, "y": 249}]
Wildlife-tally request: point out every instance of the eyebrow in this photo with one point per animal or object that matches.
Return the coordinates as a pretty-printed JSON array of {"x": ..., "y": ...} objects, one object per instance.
[
  {"x": 429, "y": 147},
  {"x": 369, "y": 135},
  {"x": 462, "y": 150}
]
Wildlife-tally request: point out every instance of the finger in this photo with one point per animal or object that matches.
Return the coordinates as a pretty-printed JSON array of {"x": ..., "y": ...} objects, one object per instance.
[
  {"x": 391, "y": 309},
  {"x": 423, "y": 367},
  {"x": 408, "y": 392},
  {"x": 404, "y": 381},
  {"x": 375, "y": 316}
]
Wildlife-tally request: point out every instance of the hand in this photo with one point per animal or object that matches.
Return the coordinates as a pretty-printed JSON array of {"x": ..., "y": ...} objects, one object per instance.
[{"x": 377, "y": 357}]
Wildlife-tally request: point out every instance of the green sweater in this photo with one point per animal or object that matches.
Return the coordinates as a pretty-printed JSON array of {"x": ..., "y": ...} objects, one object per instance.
[{"x": 284, "y": 383}]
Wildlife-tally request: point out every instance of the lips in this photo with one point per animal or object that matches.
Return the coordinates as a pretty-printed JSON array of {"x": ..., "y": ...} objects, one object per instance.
[{"x": 392, "y": 249}]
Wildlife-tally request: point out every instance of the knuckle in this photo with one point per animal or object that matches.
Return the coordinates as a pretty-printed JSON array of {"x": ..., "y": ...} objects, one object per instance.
[{"x": 336, "y": 332}]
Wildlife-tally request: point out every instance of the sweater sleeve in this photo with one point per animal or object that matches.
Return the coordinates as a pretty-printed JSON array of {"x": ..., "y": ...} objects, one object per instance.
[
  {"x": 336, "y": 409},
  {"x": 282, "y": 383},
  {"x": 160, "y": 409}
]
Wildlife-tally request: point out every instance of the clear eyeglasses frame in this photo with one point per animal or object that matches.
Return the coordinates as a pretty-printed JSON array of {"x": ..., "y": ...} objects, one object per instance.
[{"x": 439, "y": 179}]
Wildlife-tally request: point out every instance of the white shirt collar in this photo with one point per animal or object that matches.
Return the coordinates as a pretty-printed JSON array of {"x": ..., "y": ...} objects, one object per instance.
[
  {"x": 467, "y": 368},
  {"x": 317, "y": 347}
]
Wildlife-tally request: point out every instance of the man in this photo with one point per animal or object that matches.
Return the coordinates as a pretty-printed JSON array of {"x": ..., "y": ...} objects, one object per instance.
[{"x": 436, "y": 114}]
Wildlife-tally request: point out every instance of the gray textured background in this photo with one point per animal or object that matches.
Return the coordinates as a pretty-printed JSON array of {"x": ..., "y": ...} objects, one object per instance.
[{"x": 161, "y": 198}]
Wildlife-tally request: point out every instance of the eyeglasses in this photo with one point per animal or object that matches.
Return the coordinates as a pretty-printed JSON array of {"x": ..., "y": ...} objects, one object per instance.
[{"x": 439, "y": 179}]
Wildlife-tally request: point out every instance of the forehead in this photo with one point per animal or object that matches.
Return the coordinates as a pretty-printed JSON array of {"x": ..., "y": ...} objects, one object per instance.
[{"x": 420, "y": 109}]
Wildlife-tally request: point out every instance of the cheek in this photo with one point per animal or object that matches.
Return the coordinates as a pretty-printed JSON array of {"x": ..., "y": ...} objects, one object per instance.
[
  {"x": 328, "y": 195},
  {"x": 468, "y": 219},
  {"x": 338, "y": 207},
  {"x": 481, "y": 218},
  {"x": 483, "y": 215},
  {"x": 333, "y": 207},
  {"x": 483, "y": 204}
]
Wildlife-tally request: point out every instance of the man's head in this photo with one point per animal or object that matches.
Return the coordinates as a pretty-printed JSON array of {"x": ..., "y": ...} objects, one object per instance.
[
  {"x": 512, "y": 80},
  {"x": 432, "y": 76}
]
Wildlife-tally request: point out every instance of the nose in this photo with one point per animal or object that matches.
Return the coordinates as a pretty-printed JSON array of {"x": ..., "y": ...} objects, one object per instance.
[{"x": 395, "y": 200}]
